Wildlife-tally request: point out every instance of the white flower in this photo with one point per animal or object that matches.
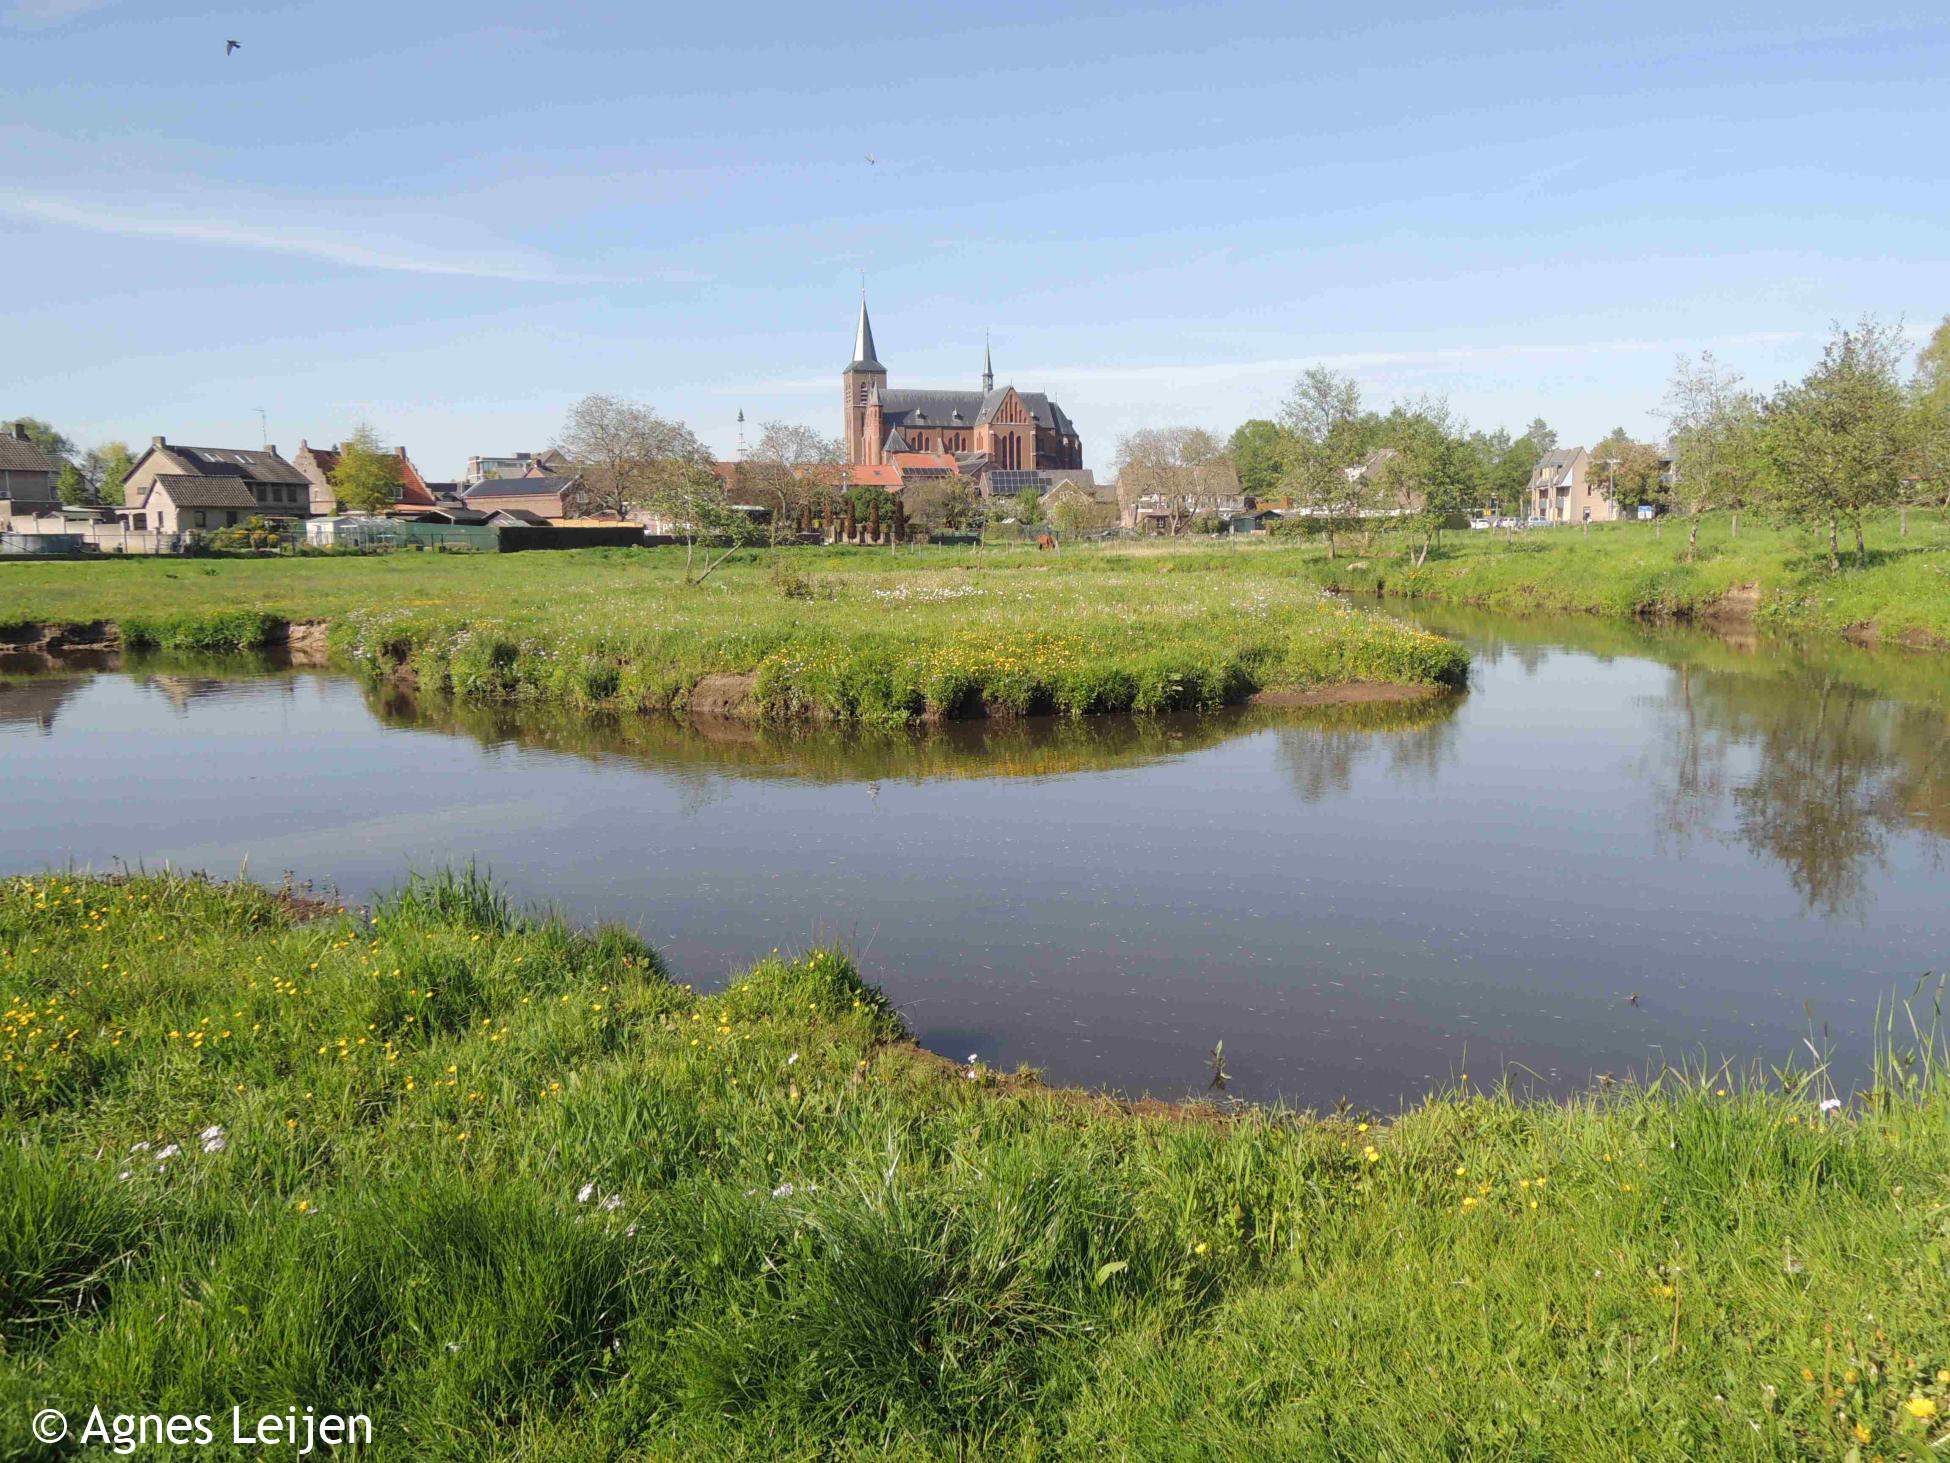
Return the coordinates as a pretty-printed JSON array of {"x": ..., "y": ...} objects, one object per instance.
[
  {"x": 142, "y": 1147},
  {"x": 453, "y": 1346},
  {"x": 791, "y": 1059},
  {"x": 215, "y": 1130},
  {"x": 123, "y": 1175},
  {"x": 215, "y": 1144},
  {"x": 613, "y": 1202},
  {"x": 973, "y": 1059},
  {"x": 783, "y": 1191},
  {"x": 630, "y": 1233},
  {"x": 583, "y": 1193},
  {"x": 1831, "y": 1104},
  {"x": 167, "y": 1152}
]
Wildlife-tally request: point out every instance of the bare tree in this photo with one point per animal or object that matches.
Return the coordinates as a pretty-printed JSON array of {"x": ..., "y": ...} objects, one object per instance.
[
  {"x": 1184, "y": 471},
  {"x": 779, "y": 469},
  {"x": 627, "y": 453}
]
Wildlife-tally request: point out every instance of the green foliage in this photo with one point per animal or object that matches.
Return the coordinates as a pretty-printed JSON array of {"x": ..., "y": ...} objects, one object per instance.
[
  {"x": 507, "y": 1189},
  {"x": 367, "y": 476},
  {"x": 71, "y": 487},
  {"x": 1259, "y": 449},
  {"x": 1029, "y": 506}
]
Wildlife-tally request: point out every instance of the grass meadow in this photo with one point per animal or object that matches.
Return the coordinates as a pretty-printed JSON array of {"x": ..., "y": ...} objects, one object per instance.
[
  {"x": 865, "y": 636},
  {"x": 509, "y": 1190},
  {"x": 1641, "y": 569}
]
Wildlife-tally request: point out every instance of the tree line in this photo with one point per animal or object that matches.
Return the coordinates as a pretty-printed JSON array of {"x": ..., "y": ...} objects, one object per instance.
[{"x": 1867, "y": 428}]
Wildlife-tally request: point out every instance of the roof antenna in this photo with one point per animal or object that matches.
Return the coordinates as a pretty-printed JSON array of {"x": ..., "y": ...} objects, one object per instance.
[
  {"x": 263, "y": 430},
  {"x": 741, "y": 434}
]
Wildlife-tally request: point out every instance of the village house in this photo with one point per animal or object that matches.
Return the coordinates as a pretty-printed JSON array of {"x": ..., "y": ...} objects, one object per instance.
[
  {"x": 173, "y": 489},
  {"x": 1562, "y": 489},
  {"x": 319, "y": 463},
  {"x": 27, "y": 480},
  {"x": 548, "y": 496}
]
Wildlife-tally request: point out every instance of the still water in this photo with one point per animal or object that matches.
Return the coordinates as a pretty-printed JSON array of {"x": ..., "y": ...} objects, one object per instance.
[{"x": 1359, "y": 903}]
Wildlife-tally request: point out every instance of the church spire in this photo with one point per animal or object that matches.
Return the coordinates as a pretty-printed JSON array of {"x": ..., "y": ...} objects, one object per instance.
[
  {"x": 988, "y": 366},
  {"x": 863, "y": 338}
]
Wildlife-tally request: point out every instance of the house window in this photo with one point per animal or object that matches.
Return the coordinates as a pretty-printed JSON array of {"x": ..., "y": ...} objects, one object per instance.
[{"x": 202, "y": 520}]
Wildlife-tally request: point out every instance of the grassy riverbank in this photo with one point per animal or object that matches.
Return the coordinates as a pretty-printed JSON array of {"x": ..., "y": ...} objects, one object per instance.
[
  {"x": 844, "y": 634},
  {"x": 509, "y": 1190},
  {"x": 1777, "y": 577}
]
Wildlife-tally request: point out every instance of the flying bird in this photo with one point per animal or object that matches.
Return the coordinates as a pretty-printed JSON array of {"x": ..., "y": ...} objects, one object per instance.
[
  {"x": 872, "y": 161},
  {"x": 229, "y": 46}
]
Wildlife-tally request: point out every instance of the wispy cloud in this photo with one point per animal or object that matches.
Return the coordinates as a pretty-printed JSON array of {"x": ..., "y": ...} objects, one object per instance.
[
  {"x": 1186, "y": 374},
  {"x": 327, "y": 247},
  {"x": 50, "y": 12}
]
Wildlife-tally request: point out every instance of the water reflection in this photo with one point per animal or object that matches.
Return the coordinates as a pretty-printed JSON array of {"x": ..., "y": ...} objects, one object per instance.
[{"x": 1802, "y": 754}]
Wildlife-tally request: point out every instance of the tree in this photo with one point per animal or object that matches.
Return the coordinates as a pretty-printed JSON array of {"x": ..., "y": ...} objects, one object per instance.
[
  {"x": 1543, "y": 434},
  {"x": 940, "y": 505},
  {"x": 1430, "y": 475},
  {"x": 631, "y": 457},
  {"x": 366, "y": 479},
  {"x": 1711, "y": 418},
  {"x": 71, "y": 487},
  {"x": 690, "y": 500},
  {"x": 1029, "y": 506},
  {"x": 1930, "y": 434},
  {"x": 778, "y": 469},
  {"x": 1507, "y": 465},
  {"x": 1186, "y": 471},
  {"x": 108, "y": 467},
  {"x": 1628, "y": 471},
  {"x": 1258, "y": 449},
  {"x": 1327, "y": 437},
  {"x": 1838, "y": 440}
]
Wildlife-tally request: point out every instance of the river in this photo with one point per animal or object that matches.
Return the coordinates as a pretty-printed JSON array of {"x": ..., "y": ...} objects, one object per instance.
[{"x": 1623, "y": 847}]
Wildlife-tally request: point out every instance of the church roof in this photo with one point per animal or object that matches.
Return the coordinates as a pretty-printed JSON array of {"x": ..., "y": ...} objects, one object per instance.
[
  {"x": 896, "y": 442},
  {"x": 965, "y": 408}
]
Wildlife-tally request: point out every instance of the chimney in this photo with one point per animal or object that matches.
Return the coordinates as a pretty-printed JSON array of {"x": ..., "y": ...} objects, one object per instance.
[
  {"x": 17, "y": 431},
  {"x": 303, "y": 445},
  {"x": 402, "y": 453},
  {"x": 158, "y": 442},
  {"x": 271, "y": 448}
]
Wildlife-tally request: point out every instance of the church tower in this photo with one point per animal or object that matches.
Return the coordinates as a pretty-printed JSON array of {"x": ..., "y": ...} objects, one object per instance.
[
  {"x": 858, "y": 383},
  {"x": 988, "y": 366}
]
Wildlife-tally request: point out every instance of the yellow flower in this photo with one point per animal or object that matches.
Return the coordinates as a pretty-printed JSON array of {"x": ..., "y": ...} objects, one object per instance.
[
  {"x": 1920, "y": 1408},
  {"x": 1943, "y": 1377},
  {"x": 1200, "y": 1248},
  {"x": 1460, "y": 1170},
  {"x": 1807, "y": 1374},
  {"x": 1469, "y": 1201},
  {"x": 1862, "y": 1433},
  {"x": 1851, "y": 1376},
  {"x": 303, "y": 1206}
]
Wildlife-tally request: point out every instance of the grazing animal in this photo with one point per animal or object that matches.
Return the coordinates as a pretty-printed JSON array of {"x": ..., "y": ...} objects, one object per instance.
[
  {"x": 229, "y": 46},
  {"x": 1045, "y": 542}
]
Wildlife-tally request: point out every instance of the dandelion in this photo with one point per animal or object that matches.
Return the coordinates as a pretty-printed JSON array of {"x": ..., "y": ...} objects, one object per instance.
[
  {"x": 1200, "y": 1248},
  {"x": 1921, "y": 1408},
  {"x": 1470, "y": 1201},
  {"x": 303, "y": 1206},
  {"x": 1862, "y": 1433},
  {"x": 1943, "y": 1377}
]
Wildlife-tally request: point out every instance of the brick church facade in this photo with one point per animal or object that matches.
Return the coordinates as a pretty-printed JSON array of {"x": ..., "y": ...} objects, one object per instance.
[{"x": 994, "y": 429}]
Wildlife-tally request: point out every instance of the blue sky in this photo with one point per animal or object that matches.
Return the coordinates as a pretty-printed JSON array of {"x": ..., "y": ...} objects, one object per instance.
[{"x": 453, "y": 220}]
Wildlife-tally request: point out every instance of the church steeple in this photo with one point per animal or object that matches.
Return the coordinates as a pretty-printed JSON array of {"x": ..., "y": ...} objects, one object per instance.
[
  {"x": 988, "y": 366},
  {"x": 857, "y": 382},
  {"x": 863, "y": 339}
]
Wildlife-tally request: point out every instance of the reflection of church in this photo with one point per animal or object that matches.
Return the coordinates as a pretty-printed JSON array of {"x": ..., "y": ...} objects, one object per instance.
[{"x": 994, "y": 429}]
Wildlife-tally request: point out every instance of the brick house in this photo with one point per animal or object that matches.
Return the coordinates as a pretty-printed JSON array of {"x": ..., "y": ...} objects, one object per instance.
[
  {"x": 27, "y": 478},
  {"x": 172, "y": 488},
  {"x": 319, "y": 463},
  {"x": 548, "y": 496}
]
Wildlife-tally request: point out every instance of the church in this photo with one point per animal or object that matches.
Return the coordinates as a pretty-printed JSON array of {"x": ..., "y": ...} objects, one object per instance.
[{"x": 986, "y": 432}]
